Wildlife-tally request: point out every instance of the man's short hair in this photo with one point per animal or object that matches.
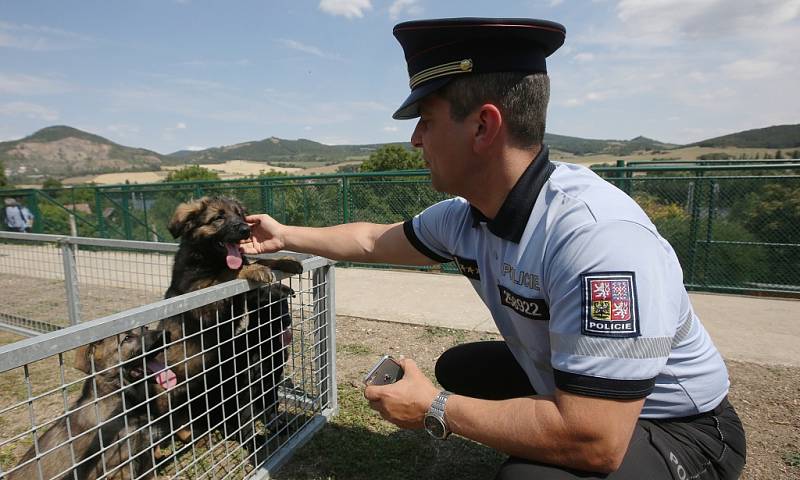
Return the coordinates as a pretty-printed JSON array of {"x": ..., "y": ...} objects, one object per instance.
[{"x": 522, "y": 99}]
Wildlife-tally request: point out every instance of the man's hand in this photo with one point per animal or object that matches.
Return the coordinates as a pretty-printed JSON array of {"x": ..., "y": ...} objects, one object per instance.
[
  {"x": 405, "y": 402},
  {"x": 265, "y": 235}
]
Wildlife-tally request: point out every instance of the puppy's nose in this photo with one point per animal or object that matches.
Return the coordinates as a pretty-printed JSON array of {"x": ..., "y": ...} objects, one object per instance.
[{"x": 244, "y": 231}]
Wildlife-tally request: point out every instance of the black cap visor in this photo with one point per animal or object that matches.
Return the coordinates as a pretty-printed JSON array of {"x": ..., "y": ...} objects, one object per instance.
[{"x": 410, "y": 108}]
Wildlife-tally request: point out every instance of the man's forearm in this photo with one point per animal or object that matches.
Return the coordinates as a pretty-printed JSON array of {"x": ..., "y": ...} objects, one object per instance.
[
  {"x": 533, "y": 428},
  {"x": 356, "y": 242},
  {"x": 351, "y": 241}
]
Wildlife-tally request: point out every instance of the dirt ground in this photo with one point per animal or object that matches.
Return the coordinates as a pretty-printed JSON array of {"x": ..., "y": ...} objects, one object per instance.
[{"x": 766, "y": 397}]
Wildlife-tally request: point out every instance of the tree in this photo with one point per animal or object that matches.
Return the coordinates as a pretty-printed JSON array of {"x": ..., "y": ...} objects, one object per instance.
[
  {"x": 3, "y": 179},
  {"x": 393, "y": 157},
  {"x": 50, "y": 183},
  {"x": 192, "y": 172}
]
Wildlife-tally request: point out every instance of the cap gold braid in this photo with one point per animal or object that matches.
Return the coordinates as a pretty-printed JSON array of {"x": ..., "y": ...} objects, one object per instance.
[{"x": 443, "y": 70}]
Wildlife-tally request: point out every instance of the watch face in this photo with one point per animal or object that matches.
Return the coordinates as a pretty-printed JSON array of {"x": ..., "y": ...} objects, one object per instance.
[{"x": 434, "y": 426}]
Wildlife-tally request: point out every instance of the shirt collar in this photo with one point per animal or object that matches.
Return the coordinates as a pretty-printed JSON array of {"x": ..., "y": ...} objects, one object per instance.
[{"x": 512, "y": 218}]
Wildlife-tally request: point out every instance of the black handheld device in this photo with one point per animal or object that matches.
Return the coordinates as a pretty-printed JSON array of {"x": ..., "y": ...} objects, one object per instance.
[{"x": 386, "y": 371}]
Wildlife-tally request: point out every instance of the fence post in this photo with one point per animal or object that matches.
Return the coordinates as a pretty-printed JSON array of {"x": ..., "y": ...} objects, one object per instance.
[
  {"x": 693, "y": 226},
  {"x": 325, "y": 336},
  {"x": 345, "y": 199},
  {"x": 101, "y": 221},
  {"x": 712, "y": 186},
  {"x": 264, "y": 193},
  {"x": 71, "y": 282},
  {"x": 33, "y": 206},
  {"x": 126, "y": 213}
]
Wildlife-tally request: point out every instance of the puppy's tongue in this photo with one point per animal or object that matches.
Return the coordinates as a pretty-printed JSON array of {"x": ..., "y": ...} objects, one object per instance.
[
  {"x": 234, "y": 258},
  {"x": 164, "y": 376}
]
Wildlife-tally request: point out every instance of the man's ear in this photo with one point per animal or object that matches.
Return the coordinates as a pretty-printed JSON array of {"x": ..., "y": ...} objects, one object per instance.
[{"x": 489, "y": 122}]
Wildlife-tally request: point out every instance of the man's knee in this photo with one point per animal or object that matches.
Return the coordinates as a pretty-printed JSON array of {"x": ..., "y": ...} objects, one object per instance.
[{"x": 446, "y": 369}]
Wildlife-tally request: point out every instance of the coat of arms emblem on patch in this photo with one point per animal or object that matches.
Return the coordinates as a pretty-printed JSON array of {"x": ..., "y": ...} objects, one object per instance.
[{"x": 609, "y": 304}]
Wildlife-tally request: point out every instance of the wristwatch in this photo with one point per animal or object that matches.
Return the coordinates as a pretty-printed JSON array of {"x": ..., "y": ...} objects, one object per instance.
[{"x": 435, "y": 423}]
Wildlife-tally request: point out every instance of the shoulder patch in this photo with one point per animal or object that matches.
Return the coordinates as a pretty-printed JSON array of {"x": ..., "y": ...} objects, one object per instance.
[
  {"x": 609, "y": 304},
  {"x": 468, "y": 267},
  {"x": 533, "y": 308}
]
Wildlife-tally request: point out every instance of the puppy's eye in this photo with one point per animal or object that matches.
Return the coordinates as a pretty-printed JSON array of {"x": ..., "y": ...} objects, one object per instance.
[
  {"x": 128, "y": 337},
  {"x": 220, "y": 216}
]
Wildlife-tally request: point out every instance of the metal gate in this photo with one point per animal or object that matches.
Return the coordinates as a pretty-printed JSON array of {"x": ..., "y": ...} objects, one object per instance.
[{"x": 246, "y": 379}]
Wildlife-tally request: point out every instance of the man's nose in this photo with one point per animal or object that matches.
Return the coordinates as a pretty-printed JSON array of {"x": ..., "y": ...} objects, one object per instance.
[{"x": 416, "y": 137}]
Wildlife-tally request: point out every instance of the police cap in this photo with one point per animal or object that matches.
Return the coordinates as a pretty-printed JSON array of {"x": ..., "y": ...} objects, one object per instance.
[{"x": 438, "y": 50}]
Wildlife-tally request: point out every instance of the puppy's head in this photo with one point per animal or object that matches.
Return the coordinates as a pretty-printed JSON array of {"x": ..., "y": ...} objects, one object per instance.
[
  {"x": 131, "y": 351},
  {"x": 217, "y": 222}
]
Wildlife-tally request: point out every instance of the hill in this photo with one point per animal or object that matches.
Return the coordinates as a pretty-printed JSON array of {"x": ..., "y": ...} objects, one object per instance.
[
  {"x": 276, "y": 150},
  {"x": 65, "y": 151},
  {"x": 779, "y": 136},
  {"x": 586, "y": 146}
]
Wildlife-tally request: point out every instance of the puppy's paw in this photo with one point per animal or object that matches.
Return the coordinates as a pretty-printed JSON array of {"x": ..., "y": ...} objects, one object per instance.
[
  {"x": 287, "y": 264},
  {"x": 257, "y": 273},
  {"x": 281, "y": 290}
]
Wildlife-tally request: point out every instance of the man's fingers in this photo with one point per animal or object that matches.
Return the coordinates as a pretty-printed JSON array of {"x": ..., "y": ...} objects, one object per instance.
[
  {"x": 252, "y": 219},
  {"x": 372, "y": 393}
]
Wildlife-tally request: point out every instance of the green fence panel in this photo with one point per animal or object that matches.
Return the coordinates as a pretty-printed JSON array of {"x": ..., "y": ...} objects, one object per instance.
[{"x": 735, "y": 227}]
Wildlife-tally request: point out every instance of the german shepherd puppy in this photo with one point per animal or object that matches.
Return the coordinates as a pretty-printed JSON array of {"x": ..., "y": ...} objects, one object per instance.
[
  {"x": 111, "y": 408},
  {"x": 226, "y": 359}
]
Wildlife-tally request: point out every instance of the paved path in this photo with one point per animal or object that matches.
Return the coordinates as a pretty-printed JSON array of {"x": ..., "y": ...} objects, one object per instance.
[{"x": 743, "y": 328}]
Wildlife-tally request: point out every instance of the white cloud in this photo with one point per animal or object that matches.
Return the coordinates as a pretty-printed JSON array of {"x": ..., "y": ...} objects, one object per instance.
[
  {"x": 410, "y": 7},
  {"x": 390, "y": 129},
  {"x": 668, "y": 21},
  {"x": 180, "y": 126},
  {"x": 39, "y": 38},
  {"x": 28, "y": 110},
  {"x": 713, "y": 97},
  {"x": 584, "y": 57},
  {"x": 301, "y": 47},
  {"x": 123, "y": 130},
  {"x": 749, "y": 69},
  {"x": 194, "y": 148},
  {"x": 589, "y": 97},
  {"x": 242, "y": 62},
  {"x": 21, "y": 84},
  {"x": 345, "y": 8}
]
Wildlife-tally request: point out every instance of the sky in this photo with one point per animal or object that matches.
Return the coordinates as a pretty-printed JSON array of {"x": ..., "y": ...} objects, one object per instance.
[{"x": 169, "y": 75}]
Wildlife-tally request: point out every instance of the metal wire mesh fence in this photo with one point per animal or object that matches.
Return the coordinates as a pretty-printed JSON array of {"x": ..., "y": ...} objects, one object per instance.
[
  {"x": 223, "y": 382},
  {"x": 734, "y": 226}
]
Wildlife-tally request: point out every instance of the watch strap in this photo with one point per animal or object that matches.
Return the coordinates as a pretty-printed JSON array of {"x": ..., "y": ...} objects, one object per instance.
[{"x": 437, "y": 410}]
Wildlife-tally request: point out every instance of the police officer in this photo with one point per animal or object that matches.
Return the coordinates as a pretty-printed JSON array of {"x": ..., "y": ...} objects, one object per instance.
[{"x": 604, "y": 370}]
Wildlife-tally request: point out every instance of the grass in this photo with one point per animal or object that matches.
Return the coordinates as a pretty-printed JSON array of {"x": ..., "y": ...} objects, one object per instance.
[
  {"x": 457, "y": 336},
  {"x": 358, "y": 444},
  {"x": 354, "y": 349},
  {"x": 792, "y": 459}
]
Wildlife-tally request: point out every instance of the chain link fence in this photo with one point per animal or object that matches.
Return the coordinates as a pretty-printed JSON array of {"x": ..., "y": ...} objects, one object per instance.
[{"x": 735, "y": 227}]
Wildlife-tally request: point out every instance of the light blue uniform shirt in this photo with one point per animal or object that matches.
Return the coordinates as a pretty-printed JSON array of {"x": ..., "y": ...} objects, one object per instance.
[{"x": 586, "y": 293}]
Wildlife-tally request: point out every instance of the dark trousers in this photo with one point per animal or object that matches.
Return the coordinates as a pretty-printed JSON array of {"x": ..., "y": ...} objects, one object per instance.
[{"x": 705, "y": 446}]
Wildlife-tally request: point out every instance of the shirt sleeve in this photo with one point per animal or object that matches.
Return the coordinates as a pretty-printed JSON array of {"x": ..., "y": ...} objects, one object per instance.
[
  {"x": 614, "y": 309},
  {"x": 435, "y": 230}
]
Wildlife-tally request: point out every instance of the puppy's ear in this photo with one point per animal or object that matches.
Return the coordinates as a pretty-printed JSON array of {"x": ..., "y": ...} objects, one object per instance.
[
  {"x": 185, "y": 217},
  {"x": 83, "y": 356},
  {"x": 242, "y": 209}
]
